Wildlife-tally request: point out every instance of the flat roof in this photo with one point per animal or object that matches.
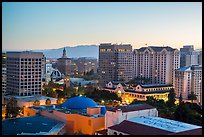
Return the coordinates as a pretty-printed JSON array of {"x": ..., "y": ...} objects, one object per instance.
[
  {"x": 143, "y": 125},
  {"x": 147, "y": 92},
  {"x": 155, "y": 85},
  {"x": 164, "y": 124},
  {"x": 133, "y": 128},
  {"x": 31, "y": 98},
  {"x": 129, "y": 108},
  {"x": 66, "y": 110},
  {"x": 30, "y": 124}
]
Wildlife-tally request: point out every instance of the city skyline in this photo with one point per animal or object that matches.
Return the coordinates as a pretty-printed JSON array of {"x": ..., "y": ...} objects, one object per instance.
[{"x": 53, "y": 25}]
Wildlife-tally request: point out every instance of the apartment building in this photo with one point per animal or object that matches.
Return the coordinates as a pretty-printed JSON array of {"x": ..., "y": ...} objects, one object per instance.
[
  {"x": 189, "y": 79},
  {"x": 24, "y": 73},
  {"x": 156, "y": 63},
  {"x": 115, "y": 62}
]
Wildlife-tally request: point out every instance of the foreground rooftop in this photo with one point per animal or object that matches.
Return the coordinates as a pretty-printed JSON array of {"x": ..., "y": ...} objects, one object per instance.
[{"x": 30, "y": 125}]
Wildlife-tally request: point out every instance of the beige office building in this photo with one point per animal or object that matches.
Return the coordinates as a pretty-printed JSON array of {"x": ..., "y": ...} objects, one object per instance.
[
  {"x": 115, "y": 62},
  {"x": 24, "y": 73}
]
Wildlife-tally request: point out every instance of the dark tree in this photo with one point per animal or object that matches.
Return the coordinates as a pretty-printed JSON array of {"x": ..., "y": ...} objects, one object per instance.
[
  {"x": 48, "y": 101},
  {"x": 171, "y": 99},
  {"x": 11, "y": 108},
  {"x": 180, "y": 99},
  {"x": 192, "y": 97}
]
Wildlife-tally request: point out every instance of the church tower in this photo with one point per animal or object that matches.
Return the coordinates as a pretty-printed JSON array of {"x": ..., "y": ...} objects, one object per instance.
[{"x": 64, "y": 54}]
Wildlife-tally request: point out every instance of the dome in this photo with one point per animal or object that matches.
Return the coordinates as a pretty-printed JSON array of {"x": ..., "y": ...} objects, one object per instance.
[{"x": 79, "y": 102}]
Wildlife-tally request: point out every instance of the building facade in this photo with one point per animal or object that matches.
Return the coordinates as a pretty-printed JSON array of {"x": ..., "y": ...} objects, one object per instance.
[
  {"x": 24, "y": 73},
  {"x": 140, "y": 92},
  {"x": 3, "y": 73},
  {"x": 189, "y": 79},
  {"x": 189, "y": 56},
  {"x": 115, "y": 62},
  {"x": 64, "y": 64},
  {"x": 82, "y": 65},
  {"x": 156, "y": 63},
  {"x": 117, "y": 115}
]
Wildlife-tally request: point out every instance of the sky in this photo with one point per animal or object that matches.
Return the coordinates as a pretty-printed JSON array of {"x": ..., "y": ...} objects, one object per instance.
[{"x": 43, "y": 25}]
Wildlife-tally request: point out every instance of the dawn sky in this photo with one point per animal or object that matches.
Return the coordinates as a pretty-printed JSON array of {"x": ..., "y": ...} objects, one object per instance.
[{"x": 38, "y": 25}]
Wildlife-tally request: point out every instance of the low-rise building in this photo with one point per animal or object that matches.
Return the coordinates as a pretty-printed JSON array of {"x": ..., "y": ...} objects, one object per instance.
[
  {"x": 118, "y": 114},
  {"x": 28, "y": 101},
  {"x": 140, "y": 92},
  {"x": 80, "y": 114}
]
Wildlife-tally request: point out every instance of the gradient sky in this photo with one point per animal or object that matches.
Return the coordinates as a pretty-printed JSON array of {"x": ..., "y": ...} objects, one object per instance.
[{"x": 42, "y": 25}]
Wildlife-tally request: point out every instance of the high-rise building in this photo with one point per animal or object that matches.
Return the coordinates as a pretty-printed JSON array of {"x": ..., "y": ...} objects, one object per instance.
[
  {"x": 200, "y": 58},
  {"x": 24, "y": 73},
  {"x": 189, "y": 56},
  {"x": 115, "y": 62},
  {"x": 3, "y": 73},
  {"x": 156, "y": 63},
  {"x": 3, "y": 81},
  {"x": 64, "y": 64},
  {"x": 188, "y": 79}
]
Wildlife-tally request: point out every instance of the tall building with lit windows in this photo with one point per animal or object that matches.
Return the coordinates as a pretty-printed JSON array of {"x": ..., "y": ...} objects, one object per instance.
[
  {"x": 156, "y": 63},
  {"x": 3, "y": 73},
  {"x": 115, "y": 62},
  {"x": 24, "y": 73}
]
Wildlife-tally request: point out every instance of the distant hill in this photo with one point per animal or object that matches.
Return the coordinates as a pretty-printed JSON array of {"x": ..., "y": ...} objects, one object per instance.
[{"x": 72, "y": 52}]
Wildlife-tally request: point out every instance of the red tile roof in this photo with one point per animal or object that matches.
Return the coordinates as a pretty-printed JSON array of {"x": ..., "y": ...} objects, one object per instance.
[
  {"x": 132, "y": 128},
  {"x": 132, "y": 107}
]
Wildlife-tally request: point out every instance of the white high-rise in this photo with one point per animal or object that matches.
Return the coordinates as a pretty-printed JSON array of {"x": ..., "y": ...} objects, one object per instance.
[
  {"x": 156, "y": 63},
  {"x": 189, "y": 79},
  {"x": 24, "y": 73}
]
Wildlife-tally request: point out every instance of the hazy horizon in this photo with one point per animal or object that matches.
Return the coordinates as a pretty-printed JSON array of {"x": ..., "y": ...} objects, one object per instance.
[{"x": 48, "y": 25}]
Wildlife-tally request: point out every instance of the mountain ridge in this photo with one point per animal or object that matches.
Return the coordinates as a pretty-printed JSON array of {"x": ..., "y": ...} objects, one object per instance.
[{"x": 72, "y": 52}]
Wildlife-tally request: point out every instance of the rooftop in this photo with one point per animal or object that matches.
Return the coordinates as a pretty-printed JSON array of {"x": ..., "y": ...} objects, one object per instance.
[
  {"x": 32, "y": 124},
  {"x": 33, "y": 98},
  {"x": 129, "y": 108},
  {"x": 147, "y": 125},
  {"x": 164, "y": 124},
  {"x": 147, "y": 92},
  {"x": 133, "y": 128},
  {"x": 187, "y": 68},
  {"x": 155, "y": 85},
  {"x": 62, "y": 109}
]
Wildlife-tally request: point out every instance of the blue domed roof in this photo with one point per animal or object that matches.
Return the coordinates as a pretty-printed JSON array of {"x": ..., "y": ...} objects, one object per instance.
[{"x": 79, "y": 102}]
